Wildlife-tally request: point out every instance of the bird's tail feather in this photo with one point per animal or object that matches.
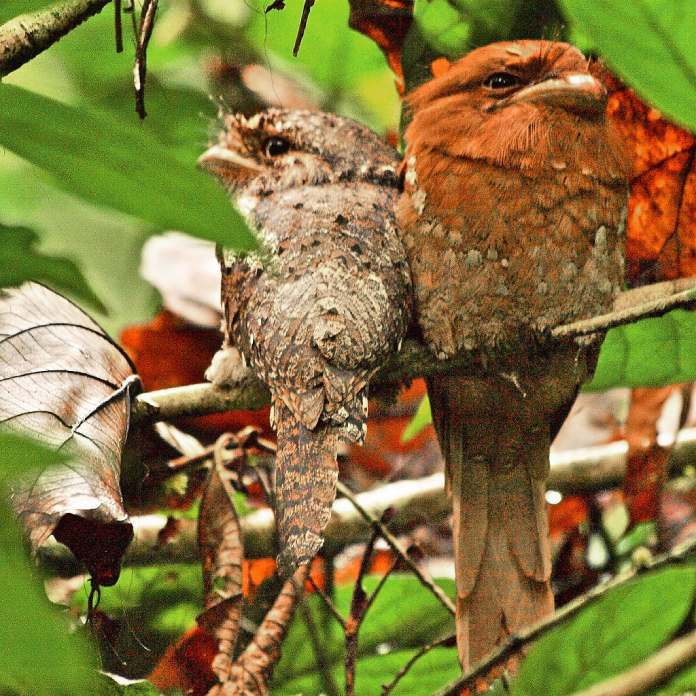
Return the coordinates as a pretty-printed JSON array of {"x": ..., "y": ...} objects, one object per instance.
[
  {"x": 497, "y": 465},
  {"x": 305, "y": 487}
]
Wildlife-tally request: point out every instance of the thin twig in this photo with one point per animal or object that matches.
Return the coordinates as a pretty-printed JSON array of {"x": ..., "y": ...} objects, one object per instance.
[
  {"x": 24, "y": 37},
  {"x": 328, "y": 602},
  {"x": 396, "y": 546},
  {"x": 534, "y": 631},
  {"x": 147, "y": 22},
  {"x": 650, "y": 673},
  {"x": 359, "y": 606},
  {"x": 328, "y": 684},
  {"x": 414, "y": 360},
  {"x": 303, "y": 25},
  {"x": 118, "y": 26},
  {"x": 603, "y": 322},
  {"x": 414, "y": 501},
  {"x": 447, "y": 640}
]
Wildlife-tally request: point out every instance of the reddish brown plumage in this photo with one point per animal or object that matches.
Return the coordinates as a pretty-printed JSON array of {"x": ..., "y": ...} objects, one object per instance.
[{"x": 512, "y": 217}]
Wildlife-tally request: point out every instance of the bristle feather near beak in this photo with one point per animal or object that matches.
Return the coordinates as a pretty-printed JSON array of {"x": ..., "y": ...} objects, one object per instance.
[{"x": 219, "y": 157}]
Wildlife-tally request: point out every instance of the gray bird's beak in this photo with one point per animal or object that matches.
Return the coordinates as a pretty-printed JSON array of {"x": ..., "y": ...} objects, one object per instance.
[
  {"x": 218, "y": 159},
  {"x": 578, "y": 92}
]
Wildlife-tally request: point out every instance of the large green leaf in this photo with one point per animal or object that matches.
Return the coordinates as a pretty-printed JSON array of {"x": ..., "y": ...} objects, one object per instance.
[
  {"x": 37, "y": 656},
  {"x": 12, "y": 8},
  {"x": 20, "y": 261},
  {"x": 649, "y": 353},
  {"x": 109, "y": 161},
  {"x": 616, "y": 632},
  {"x": 657, "y": 56},
  {"x": 429, "y": 673},
  {"x": 404, "y": 616}
]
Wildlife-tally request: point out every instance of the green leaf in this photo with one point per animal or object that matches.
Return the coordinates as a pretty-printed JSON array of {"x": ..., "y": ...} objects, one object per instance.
[
  {"x": 37, "y": 656},
  {"x": 643, "y": 534},
  {"x": 392, "y": 625},
  {"x": 650, "y": 353},
  {"x": 17, "y": 454},
  {"x": 430, "y": 672},
  {"x": 20, "y": 261},
  {"x": 657, "y": 56},
  {"x": 421, "y": 420},
  {"x": 609, "y": 636},
  {"x": 12, "y": 8},
  {"x": 108, "y": 161},
  {"x": 154, "y": 606}
]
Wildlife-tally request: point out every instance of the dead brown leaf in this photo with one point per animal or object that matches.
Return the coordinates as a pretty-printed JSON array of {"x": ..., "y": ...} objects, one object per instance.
[
  {"x": 220, "y": 544},
  {"x": 66, "y": 384}
]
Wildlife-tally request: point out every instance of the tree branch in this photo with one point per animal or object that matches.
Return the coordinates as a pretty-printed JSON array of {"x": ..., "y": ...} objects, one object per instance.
[
  {"x": 24, "y": 37},
  {"x": 378, "y": 526},
  {"x": 414, "y": 359},
  {"x": 534, "y": 631},
  {"x": 414, "y": 501}
]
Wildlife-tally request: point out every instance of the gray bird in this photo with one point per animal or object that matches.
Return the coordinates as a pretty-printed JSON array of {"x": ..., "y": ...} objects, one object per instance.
[{"x": 325, "y": 301}]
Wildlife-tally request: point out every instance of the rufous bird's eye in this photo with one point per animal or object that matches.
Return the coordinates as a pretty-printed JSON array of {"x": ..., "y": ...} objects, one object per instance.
[
  {"x": 276, "y": 146},
  {"x": 501, "y": 80}
]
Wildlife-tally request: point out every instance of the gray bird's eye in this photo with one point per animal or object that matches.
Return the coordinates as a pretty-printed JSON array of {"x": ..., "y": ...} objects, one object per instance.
[
  {"x": 276, "y": 146},
  {"x": 502, "y": 80}
]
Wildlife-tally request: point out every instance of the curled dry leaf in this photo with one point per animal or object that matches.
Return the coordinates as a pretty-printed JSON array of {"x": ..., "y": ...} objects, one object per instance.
[
  {"x": 220, "y": 544},
  {"x": 251, "y": 672},
  {"x": 66, "y": 384}
]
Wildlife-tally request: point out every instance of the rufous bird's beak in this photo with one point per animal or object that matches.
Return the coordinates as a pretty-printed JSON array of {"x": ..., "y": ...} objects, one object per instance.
[
  {"x": 578, "y": 92},
  {"x": 219, "y": 160}
]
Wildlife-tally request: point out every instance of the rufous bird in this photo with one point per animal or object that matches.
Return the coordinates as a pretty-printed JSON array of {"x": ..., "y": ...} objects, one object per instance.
[
  {"x": 323, "y": 303},
  {"x": 515, "y": 193}
]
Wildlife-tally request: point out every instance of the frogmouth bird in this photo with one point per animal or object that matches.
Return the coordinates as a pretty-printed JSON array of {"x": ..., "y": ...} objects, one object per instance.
[
  {"x": 324, "y": 301},
  {"x": 515, "y": 192}
]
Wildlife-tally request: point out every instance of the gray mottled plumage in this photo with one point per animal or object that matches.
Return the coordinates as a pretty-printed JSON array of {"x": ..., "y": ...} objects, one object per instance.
[{"x": 325, "y": 301}]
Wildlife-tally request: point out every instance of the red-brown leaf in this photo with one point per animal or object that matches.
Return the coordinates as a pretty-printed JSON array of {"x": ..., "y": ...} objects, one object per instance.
[
  {"x": 661, "y": 230},
  {"x": 386, "y": 22}
]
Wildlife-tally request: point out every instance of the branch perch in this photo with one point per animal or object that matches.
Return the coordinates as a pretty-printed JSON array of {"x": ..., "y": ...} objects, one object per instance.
[
  {"x": 24, "y": 37},
  {"x": 414, "y": 501},
  {"x": 414, "y": 360}
]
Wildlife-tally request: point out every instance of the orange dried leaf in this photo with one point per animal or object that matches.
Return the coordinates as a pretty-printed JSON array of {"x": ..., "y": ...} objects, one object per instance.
[
  {"x": 661, "y": 227},
  {"x": 386, "y": 22}
]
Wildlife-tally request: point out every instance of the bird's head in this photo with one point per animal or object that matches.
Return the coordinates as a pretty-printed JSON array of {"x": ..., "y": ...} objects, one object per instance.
[
  {"x": 279, "y": 149},
  {"x": 510, "y": 103}
]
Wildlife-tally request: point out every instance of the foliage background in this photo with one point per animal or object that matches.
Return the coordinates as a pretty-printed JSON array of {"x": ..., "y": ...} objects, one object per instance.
[{"x": 91, "y": 183}]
